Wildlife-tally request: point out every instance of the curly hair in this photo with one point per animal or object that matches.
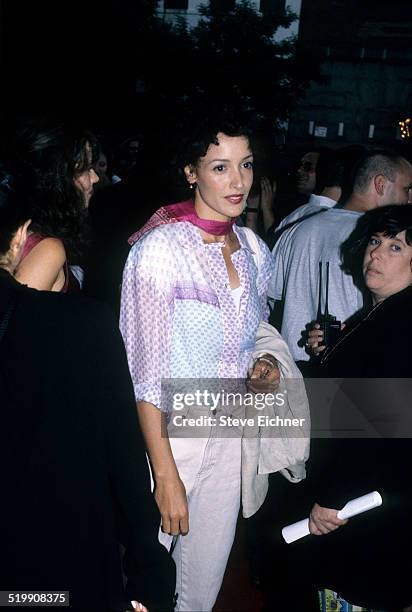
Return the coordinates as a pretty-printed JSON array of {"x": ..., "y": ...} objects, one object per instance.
[
  {"x": 387, "y": 220},
  {"x": 199, "y": 134},
  {"x": 52, "y": 157}
]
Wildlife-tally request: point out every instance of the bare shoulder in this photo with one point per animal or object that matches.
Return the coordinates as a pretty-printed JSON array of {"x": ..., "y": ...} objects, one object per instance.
[
  {"x": 50, "y": 247},
  {"x": 42, "y": 268}
]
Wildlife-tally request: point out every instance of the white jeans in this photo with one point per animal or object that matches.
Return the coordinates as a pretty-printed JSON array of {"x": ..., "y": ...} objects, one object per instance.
[{"x": 210, "y": 471}]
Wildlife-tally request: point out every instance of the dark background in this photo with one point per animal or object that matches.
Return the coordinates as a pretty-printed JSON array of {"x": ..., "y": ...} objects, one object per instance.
[{"x": 102, "y": 63}]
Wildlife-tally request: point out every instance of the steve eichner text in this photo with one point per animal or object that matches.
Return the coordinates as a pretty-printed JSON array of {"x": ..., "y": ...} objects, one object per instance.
[
  {"x": 224, "y": 399},
  {"x": 229, "y": 421}
]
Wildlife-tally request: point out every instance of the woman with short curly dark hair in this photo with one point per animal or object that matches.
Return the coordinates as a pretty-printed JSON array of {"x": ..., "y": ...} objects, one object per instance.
[{"x": 58, "y": 162}]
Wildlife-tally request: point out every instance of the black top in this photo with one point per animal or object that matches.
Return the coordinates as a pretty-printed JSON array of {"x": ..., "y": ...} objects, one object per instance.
[
  {"x": 373, "y": 364},
  {"x": 367, "y": 560},
  {"x": 377, "y": 342},
  {"x": 73, "y": 469}
]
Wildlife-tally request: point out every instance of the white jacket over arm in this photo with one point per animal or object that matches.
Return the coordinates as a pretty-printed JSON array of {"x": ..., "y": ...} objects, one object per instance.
[{"x": 278, "y": 448}]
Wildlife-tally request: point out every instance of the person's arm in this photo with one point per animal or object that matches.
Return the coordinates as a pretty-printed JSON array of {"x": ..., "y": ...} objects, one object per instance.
[
  {"x": 43, "y": 267},
  {"x": 170, "y": 493},
  {"x": 146, "y": 325}
]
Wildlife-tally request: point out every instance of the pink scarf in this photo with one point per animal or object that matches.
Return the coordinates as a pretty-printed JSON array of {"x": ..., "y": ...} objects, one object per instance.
[{"x": 183, "y": 211}]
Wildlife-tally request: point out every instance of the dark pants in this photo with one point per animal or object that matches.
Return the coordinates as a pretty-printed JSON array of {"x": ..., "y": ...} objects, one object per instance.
[
  {"x": 270, "y": 557},
  {"x": 366, "y": 561}
]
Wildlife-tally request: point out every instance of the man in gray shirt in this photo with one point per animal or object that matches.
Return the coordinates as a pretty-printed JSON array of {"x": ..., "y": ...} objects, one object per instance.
[{"x": 381, "y": 178}]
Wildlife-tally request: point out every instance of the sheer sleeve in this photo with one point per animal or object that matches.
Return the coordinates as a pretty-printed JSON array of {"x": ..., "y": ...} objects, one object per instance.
[{"x": 146, "y": 316}]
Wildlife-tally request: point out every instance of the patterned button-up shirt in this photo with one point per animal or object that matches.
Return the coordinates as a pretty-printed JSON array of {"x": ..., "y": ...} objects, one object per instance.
[{"x": 178, "y": 317}]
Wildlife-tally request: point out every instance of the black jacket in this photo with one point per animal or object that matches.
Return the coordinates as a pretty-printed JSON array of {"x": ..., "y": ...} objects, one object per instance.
[
  {"x": 373, "y": 361},
  {"x": 376, "y": 342},
  {"x": 374, "y": 370},
  {"x": 73, "y": 471}
]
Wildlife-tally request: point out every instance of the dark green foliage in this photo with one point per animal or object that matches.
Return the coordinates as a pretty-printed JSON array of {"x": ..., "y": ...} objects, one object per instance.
[{"x": 229, "y": 59}]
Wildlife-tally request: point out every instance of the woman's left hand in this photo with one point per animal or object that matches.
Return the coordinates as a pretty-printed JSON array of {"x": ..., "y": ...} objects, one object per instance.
[{"x": 264, "y": 376}]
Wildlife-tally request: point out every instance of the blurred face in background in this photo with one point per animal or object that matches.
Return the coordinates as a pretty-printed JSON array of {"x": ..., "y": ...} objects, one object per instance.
[
  {"x": 306, "y": 173},
  {"x": 100, "y": 166},
  {"x": 134, "y": 148},
  {"x": 85, "y": 179}
]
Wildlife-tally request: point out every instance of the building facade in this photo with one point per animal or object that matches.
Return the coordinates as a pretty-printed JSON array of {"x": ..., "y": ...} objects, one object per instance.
[
  {"x": 170, "y": 10},
  {"x": 366, "y": 53}
]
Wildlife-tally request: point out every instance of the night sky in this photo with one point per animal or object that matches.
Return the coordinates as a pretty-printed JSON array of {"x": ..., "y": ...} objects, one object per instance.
[
  {"x": 80, "y": 59},
  {"x": 67, "y": 57}
]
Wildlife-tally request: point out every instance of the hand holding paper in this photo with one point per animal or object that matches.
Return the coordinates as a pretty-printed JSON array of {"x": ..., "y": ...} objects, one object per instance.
[
  {"x": 324, "y": 520},
  {"x": 298, "y": 530}
]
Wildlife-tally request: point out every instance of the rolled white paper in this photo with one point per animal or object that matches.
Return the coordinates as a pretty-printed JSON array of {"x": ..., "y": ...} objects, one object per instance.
[
  {"x": 360, "y": 504},
  {"x": 298, "y": 530},
  {"x": 295, "y": 531}
]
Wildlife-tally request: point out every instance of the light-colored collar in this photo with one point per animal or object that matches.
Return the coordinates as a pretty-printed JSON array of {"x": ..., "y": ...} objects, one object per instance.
[{"x": 322, "y": 201}]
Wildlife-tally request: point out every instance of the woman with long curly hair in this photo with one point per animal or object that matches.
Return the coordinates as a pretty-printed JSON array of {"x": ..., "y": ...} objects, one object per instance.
[{"x": 57, "y": 161}]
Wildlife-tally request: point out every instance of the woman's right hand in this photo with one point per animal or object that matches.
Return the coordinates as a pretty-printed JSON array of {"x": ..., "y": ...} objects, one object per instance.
[
  {"x": 170, "y": 496},
  {"x": 324, "y": 520},
  {"x": 315, "y": 340}
]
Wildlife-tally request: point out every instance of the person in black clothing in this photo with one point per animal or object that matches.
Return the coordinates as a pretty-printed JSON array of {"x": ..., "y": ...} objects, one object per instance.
[
  {"x": 367, "y": 561},
  {"x": 73, "y": 471}
]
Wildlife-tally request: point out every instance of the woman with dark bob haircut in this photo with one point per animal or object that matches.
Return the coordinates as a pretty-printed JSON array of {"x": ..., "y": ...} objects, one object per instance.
[
  {"x": 193, "y": 296},
  {"x": 57, "y": 161},
  {"x": 369, "y": 445},
  {"x": 378, "y": 255}
]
